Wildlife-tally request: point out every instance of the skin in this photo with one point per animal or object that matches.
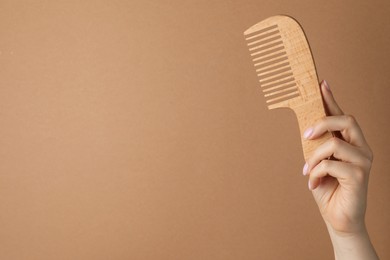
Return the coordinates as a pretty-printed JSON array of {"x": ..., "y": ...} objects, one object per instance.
[{"x": 339, "y": 185}]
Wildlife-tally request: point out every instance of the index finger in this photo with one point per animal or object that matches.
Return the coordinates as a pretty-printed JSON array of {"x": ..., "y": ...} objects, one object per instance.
[{"x": 345, "y": 124}]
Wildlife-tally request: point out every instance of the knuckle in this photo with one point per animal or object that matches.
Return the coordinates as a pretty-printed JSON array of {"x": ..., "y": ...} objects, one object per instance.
[
  {"x": 360, "y": 175},
  {"x": 367, "y": 157},
  {"x": 350, "y": 120},
  {"x": 334, "y": 143},
  {"x": 367, "y": 164},
  {"x": 323, "y": 166}
]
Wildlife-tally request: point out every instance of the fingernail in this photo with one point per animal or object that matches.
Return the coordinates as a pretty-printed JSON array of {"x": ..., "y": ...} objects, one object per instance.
[
  {"x": 326, "y": 85},
  {"x": 309, "y": 185},
  {"x": 305, "y": 168},
  {"x": 308, "y": 133}
]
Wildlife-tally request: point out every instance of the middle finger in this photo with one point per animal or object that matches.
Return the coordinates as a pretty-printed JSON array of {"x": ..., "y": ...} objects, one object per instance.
[{"x": 337, "y": 148}]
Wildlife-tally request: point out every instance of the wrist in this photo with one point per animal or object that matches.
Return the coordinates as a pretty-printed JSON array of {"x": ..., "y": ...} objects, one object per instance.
[{"x": 353, "y": 245}]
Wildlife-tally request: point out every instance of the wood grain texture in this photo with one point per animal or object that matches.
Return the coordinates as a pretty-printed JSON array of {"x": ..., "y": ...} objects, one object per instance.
[{"x": 287, "y": 73}]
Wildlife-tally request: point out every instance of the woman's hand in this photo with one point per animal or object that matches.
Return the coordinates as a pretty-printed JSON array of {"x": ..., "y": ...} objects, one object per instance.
[{"x": 338, "y": 173}]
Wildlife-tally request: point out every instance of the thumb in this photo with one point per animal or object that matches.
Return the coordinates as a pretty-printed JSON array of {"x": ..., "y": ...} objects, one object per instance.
[{"x": 331, "y": 106}]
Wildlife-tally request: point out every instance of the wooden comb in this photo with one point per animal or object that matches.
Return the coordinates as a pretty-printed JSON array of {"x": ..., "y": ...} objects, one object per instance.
[{"x": 286, "y": 72}]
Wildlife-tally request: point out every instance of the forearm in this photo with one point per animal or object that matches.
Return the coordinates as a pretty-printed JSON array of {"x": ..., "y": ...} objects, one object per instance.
[{"x": 355, "y": 246}]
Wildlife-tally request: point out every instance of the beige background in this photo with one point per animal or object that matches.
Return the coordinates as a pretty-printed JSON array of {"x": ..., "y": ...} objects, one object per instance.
[{"x": 136, "y": 129}]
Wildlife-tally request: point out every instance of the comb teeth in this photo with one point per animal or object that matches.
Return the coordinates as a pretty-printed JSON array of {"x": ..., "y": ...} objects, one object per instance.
[
  {"x": 286, "y": 72},
  {"x": 272, "y": 66}
]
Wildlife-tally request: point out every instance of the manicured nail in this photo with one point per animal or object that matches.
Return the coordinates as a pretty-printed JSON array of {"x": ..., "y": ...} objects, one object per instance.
[
  {"x": 309, "y": 185},
  {"x": 326, "y": 85},
  {"x": 308, "y": 132},
  {"x": 305, "y": 168}
]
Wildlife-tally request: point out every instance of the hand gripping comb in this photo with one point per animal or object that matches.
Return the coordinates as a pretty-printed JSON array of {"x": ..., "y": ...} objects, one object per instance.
[{"x": 286, "y": 72}]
